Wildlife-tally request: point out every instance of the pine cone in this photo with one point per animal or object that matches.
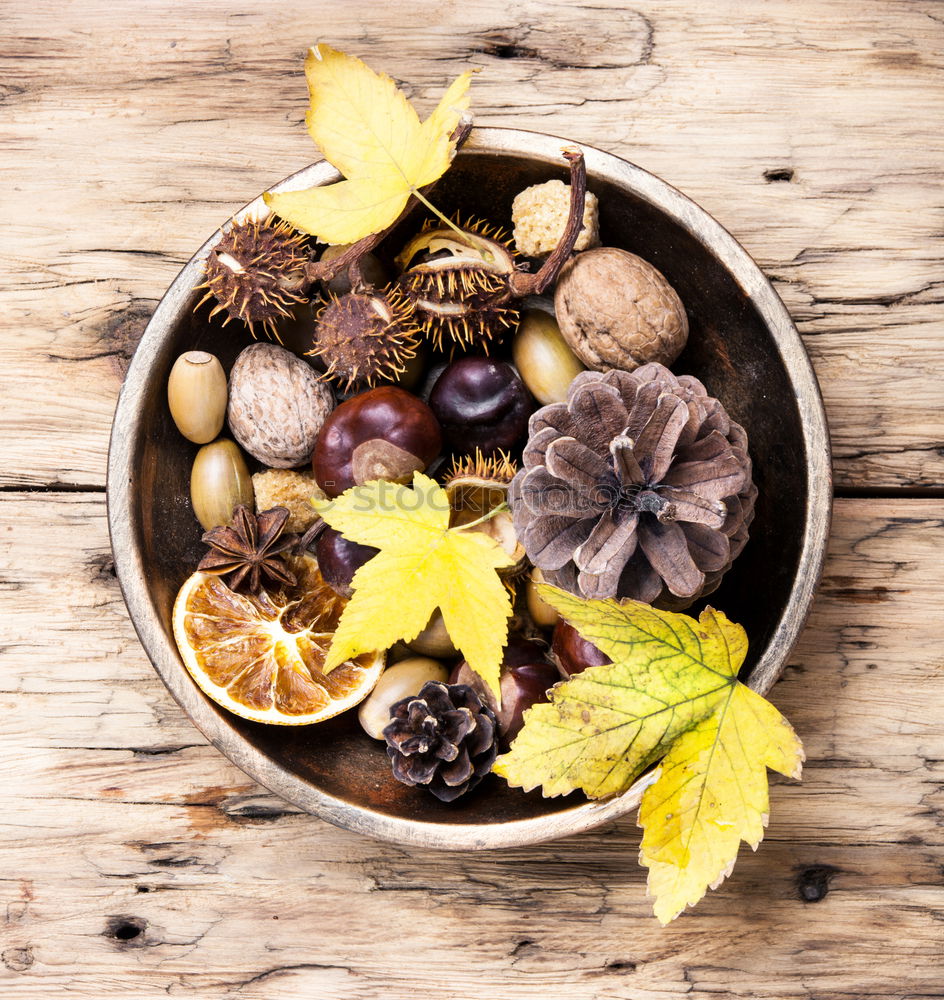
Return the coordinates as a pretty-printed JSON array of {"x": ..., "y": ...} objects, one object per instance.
[
  {"x": 638, "y": 486},
  {"x": 444, "y": 738}
]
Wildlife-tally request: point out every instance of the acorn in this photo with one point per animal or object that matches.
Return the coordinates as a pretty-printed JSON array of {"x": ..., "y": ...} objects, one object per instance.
[
  {"x": 257, "y": 273},
  {"x": 543, "y": 358},
  {"x": 219, "y": 483},
  {"x": 363, "y": 338},
  {"x": 197, "y": 395},
  {"x": 542, "y": 614}
]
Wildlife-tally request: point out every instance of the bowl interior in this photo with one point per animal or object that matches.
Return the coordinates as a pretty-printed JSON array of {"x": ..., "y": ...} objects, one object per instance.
[{"x": 731, "y": 349}]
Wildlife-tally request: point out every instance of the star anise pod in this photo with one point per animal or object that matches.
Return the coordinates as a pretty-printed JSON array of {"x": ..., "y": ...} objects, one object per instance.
[{"x": 249, "y": 549}]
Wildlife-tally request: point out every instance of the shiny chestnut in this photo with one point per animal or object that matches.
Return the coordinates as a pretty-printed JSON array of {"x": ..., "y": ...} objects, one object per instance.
[
  {"x": 481, "y": 403},
  {"x": 385, "y": 433},
  {"x": 572, "y": 652},
  {"x": 526, "y": 676},
  {"x": 339, "y": 559}
]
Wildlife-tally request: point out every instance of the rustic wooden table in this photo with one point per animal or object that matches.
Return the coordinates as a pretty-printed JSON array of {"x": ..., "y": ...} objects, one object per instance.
[{"x": 136, "y": 860}]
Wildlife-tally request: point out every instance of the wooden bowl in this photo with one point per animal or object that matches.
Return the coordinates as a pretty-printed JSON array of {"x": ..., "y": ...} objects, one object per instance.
[{"x": 743, "y": 346}]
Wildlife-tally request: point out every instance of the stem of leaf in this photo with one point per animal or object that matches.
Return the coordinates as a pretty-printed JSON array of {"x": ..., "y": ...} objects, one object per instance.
[
  {"x": 464, "y": 236},
  {"x": 485, "y": 517}
]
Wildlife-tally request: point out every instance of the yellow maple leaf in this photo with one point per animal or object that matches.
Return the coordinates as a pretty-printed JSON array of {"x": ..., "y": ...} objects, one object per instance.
[
  {"x": 672, "y": 691},
  {"x": 364, "y": 125},
  {"x": 710, "y": 795},
  {"x": 423, "y": 564}
]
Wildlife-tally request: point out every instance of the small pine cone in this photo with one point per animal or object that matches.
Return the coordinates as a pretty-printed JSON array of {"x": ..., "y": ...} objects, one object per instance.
[
  {"x": 639, "y": 486},
  {"x": 443, "y": 738}
]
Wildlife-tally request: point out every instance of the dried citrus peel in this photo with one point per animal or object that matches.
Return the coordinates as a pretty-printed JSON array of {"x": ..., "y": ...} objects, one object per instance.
[{"x": 262, "y": 656}]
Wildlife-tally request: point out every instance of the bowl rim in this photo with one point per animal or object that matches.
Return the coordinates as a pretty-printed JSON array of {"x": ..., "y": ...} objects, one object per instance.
[{"x": 127, "y": 426}]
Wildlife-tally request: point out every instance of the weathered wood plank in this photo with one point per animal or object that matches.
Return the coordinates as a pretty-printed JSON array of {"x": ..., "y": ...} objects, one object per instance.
[
  {"x": 136, "y": 861},
  {"x": 810, "y": 129}
]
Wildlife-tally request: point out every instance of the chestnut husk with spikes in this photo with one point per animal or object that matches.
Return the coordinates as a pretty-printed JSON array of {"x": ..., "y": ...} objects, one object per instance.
[
  {"x": 365, "y": 337},
  {"x": 252, "y": 282},
  {"x": 477, "y": 488},
  {"x": 498, "y": 468},
  {"x": 263, "y": 268},
  {"x": 464, "y": 285},
  {"x": 458, "y": 284},
  {"x": 257, "y": 273}
]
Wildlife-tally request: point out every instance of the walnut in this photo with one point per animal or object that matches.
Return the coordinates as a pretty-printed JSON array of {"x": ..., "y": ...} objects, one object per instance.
[
  {"x": 615, "y": 310},
  {"x": 277, "y": 405}
]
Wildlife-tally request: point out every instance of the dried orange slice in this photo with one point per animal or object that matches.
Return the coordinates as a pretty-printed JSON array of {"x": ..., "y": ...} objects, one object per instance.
[{"x": 260, "y": 655}]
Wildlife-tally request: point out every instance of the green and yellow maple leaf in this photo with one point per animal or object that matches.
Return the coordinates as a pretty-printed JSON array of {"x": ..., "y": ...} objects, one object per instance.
[
  {"x": 710, "y": 795},
  {"x": 672, "y": 691},
  {"x": 423, "y": 564},
  {"x": 365, "y": 127}
]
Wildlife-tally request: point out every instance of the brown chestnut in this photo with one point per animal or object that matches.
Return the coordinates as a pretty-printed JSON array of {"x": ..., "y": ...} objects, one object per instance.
[
  {"x": 385, "y": 433},
  {"x": 339, "y": 559},
  {"x": 572, "y": 652},
  {"x": 526, "y": 676},
  {"x": 481, "y": 403}
]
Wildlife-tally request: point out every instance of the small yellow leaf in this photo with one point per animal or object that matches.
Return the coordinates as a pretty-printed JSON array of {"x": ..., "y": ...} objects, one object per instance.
[
  {"x": 365, "y": 127},
  {"x": 338, "y": 210},
  {"x": 671, "y": 692},
  {"x": 423, "y": 564},
  {"x": 710, "y": 795}
]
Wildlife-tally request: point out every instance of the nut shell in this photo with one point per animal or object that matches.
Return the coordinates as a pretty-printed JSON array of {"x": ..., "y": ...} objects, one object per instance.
[
  {"x": 196, "y": 395},
  {"x": 277, "y": 405},
  {"x": 385, "y": 433},
  {"x": 219, "y": 482},
  {"x": 615, "y": 310}
]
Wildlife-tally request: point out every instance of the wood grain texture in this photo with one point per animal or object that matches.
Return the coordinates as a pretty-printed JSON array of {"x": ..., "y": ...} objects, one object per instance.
[
  {"x": 136, "y": 861},
  {"x": 810, "y": 129}
]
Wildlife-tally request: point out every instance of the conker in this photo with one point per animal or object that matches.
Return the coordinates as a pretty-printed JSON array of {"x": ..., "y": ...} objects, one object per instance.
[
  {"x": 339, "y": 559},
  {"x": 481, "y": 403},
  {"x": 526, "y": 676},
  {"x": 572, "y": 652},
  {"x": 382, "y": 434}
]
